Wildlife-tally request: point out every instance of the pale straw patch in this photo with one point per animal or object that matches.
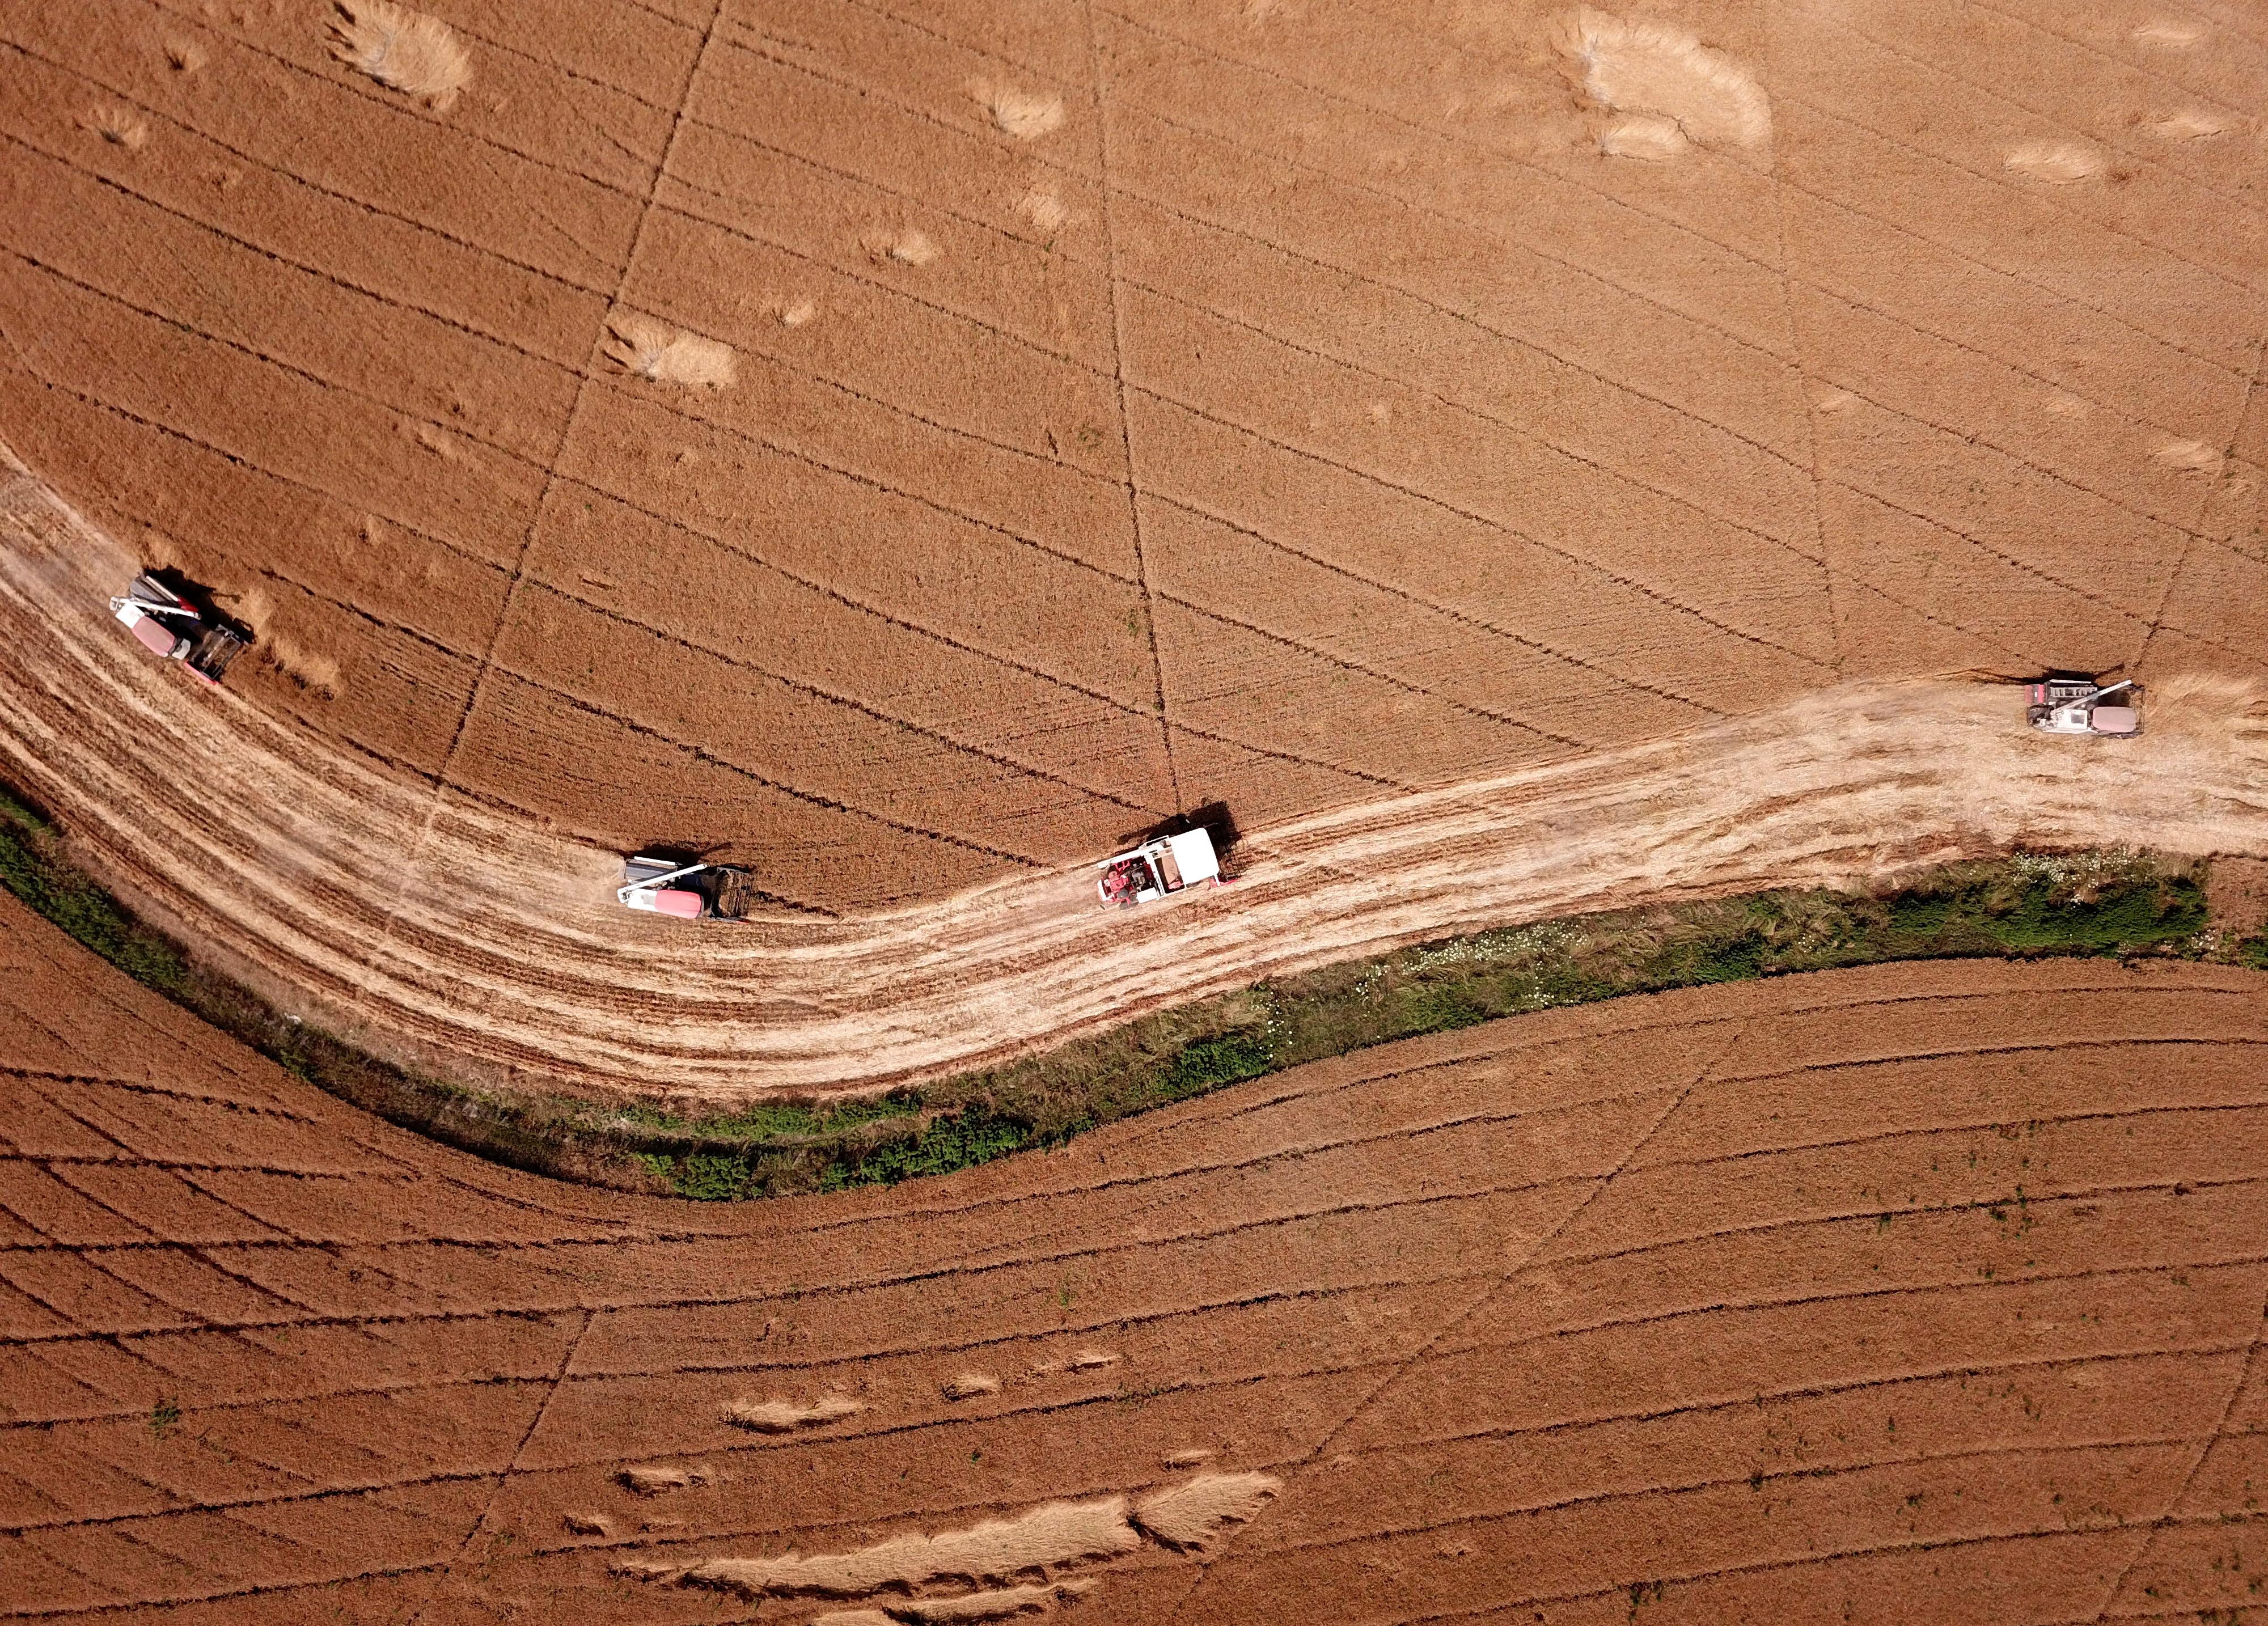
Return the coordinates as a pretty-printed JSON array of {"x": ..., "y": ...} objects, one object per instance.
[
  {"x": 1192, "y": 1516},
  {"x": 650, "y": 349},
  {"x": 2058, "y": 163},
  {"x": 404, "y": 50},
  {"x": 1026, "y": 114},
  {"x": 2186, "y": 457},
  {"x": 2166, "y": 33},
  {"x": 2188, "y": 124},
  {"x": 1644, "y": 67},
  {"x": 1648, "y": 136},
  {"x": 780, "y": 1417},
  {"x": 117, "y": 127}
]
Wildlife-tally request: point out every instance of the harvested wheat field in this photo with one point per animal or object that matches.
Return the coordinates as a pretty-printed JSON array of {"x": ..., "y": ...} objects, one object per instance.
[
  {"x": 1517, "y": 459},
  {"x": 907, "y": 443},
  {"x": 1931, "y": 1292}
]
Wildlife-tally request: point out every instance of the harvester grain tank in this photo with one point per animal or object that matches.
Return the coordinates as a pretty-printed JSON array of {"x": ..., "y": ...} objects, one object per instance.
[
  {"x": 171, "y": 629},
  {"x": 1167, "y": 864},
  {"x": 659, "y": 886},
  {"x": 2071, "y": 703}
]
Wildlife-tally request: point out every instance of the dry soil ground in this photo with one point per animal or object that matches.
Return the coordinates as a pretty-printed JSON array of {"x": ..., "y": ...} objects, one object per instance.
[
  {"x": 1122, "y": 406},
  {"x": 1925, "y": 1292}
]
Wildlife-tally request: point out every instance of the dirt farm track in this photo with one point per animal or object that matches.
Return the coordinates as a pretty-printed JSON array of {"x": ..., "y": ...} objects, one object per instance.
[
  {"x": 1924, "y": 1293},
  {"x": 472, "y": 938}
]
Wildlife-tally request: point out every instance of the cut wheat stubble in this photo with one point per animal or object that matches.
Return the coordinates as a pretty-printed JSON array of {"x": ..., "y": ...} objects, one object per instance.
[
  {"x": 404, "y": 50},
  {"x": 275, "y": 647}
]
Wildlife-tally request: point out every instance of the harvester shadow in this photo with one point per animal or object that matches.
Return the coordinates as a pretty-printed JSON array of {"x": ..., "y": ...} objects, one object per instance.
[{"x": 199, "y": 597}]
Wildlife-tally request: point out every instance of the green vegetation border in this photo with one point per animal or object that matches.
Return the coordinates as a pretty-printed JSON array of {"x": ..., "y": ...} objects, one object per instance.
[{"x": 2119, "y": 902}]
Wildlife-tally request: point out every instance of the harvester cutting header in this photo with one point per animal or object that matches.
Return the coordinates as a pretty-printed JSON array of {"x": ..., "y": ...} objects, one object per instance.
[
  {"x": 687, "y": 891},
  {"x": 171, "y": 627},
  {"x": 1158, "y": 867},
  {"x": 2070, "y": 703}
]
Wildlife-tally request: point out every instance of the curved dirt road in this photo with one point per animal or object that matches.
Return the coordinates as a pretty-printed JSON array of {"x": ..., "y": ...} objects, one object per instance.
[{"x": 436, "y": 921}]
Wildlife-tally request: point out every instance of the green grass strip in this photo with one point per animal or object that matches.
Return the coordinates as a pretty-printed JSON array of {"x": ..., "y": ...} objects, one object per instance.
[{"x": 2117, "y": 903}]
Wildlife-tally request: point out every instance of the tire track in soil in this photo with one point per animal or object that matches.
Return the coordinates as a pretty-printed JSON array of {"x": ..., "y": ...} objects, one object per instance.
[{"x": 509, "y": 950}]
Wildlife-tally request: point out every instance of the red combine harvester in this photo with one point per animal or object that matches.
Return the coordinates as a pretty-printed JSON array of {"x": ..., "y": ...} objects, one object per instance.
[
  {"x": 171, "y": 629},
  {"x": 687, "y": 891},
  {"x": 2070, "y": 703},
  {"x": 1158, "y": 867}
]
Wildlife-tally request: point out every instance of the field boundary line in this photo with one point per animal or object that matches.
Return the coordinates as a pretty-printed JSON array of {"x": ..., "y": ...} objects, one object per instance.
[
  {"x": 1098, "y": 99},
  {"x": 395, "y": 301},
  {"x": 1506, "y": 154},
  {"x": 1463, "y": 409},
  {"x": 848, "y": 471},
  {"x": 1605, "y": 201},
  {"x": 872, "y": 92},
  {"x": 1425, "y": 601},
  {"x": 364, "y": 204},
  {"x": 1803, "y": 374},
  {"x": 503, "y": 1477},
  {"x": 2076, "y": 216},
  {"x": 2204, "y": 503},
  {"x": 1416, "y": 205},
  {"x": 390, "y": 104},
  {"x": 2170, "y": 1513},
  {"x": 1977, "y": 89},
  {"x": 1378, "y": 675},
  {"x": 591, "y": 363},
  {"x": 1398, "y": 1368},
  {"x": 1627, "y": 582}
]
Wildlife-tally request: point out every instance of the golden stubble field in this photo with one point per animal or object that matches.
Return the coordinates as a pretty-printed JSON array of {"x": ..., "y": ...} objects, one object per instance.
[
  {"x": 903, "y": 444},
  {"x": 1926, "y": 1292}
]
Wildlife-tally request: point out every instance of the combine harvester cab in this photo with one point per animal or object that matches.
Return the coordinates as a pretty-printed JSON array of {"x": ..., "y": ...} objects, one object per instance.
[
  {"x": 1150, "y": 872},
  {"x": 171, "y": 629},
  {"x": 2070, "y": 703},
  {"x": 687, "y": 891}
]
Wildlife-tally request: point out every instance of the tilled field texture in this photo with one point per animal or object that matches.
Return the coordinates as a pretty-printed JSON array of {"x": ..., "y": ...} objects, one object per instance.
[
  {"x": 1924, "y": 1293},
  {"x": 491, "y": 947},
  {"x": 909, "y": 443}
]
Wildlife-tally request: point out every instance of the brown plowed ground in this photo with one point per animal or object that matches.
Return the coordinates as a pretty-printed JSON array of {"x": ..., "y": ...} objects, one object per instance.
[
  {"x": 1134, "y": 405},
  {"x": 1927, "y": 1292}
]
